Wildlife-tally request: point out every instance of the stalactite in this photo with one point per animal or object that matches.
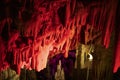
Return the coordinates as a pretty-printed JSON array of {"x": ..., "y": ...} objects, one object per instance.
[
  {"x": 73, "y": 4},
  {"x": 84, "y": 18},
  {"x": 67, "y": 16},
  {"x": 109, "y": 25},
  {"x": 52, "y": 25}
]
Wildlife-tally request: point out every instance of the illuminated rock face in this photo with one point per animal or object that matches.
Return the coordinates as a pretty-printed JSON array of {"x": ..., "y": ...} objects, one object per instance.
[
  {"x": 59, "y": 75},
  {"x": 32, "y": 30}
]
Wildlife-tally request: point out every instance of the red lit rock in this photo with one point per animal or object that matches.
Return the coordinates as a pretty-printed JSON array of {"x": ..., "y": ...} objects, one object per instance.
[{"x": 43, "y": 27}]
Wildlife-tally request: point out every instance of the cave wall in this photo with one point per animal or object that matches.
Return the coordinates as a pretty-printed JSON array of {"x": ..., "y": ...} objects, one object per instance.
[
  {"x": 117, "y": 41},
  {"x": 32, "y": 31}
]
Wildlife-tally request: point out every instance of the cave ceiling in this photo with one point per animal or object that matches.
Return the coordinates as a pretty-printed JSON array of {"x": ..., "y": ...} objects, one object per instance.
[{"x": 33, "y": 30}]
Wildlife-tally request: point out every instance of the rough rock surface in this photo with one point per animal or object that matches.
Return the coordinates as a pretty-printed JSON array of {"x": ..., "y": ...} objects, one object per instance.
[{"x": 33, "y": 30}]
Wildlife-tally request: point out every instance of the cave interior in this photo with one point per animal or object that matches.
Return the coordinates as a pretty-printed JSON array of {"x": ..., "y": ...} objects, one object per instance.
[{"x": 59, "y": 40}]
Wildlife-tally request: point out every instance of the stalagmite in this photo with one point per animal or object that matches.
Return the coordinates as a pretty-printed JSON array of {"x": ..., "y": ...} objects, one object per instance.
[
  {"x": 50, "y": 27},
  {"x": 59, "y": 75}
]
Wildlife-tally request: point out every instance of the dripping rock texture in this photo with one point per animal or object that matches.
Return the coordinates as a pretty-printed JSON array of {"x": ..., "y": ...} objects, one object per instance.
[{"x": 32, "y": 31}]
